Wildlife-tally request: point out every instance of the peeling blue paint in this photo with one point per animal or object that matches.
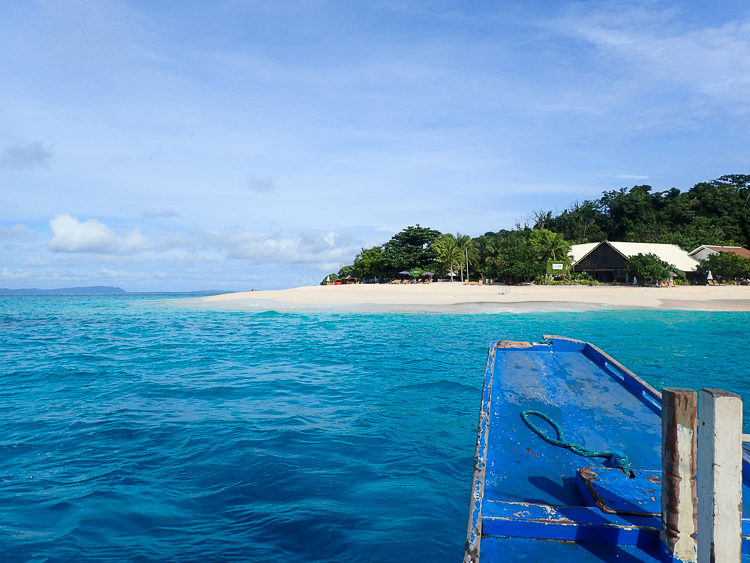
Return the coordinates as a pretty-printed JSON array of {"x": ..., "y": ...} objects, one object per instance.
[{"x": 532, "y": 500}]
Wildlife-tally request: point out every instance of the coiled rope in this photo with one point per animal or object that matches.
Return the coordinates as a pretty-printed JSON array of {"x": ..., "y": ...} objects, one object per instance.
[{"x": 617, "y": 459}]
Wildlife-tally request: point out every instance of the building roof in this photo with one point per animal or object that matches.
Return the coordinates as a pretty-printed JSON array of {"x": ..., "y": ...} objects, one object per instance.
[
  {"x": 578, "y": 251},
  {"x": 670, "y": 253},
  {"x": 738, "y": 250}
]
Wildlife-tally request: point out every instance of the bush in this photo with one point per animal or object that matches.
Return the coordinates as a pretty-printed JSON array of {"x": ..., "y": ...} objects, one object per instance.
[
  {"x": 649, "y": 268},
  {"x": 725, "y": 266}
]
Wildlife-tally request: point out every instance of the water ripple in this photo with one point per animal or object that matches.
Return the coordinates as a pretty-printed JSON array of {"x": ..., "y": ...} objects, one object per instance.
[{"x": 136, "y": 429}]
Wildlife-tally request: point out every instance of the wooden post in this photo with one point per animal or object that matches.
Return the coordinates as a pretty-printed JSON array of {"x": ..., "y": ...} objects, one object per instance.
[
  {"x": 720, "y": 477},
  {"x": 678, "y": 489}
]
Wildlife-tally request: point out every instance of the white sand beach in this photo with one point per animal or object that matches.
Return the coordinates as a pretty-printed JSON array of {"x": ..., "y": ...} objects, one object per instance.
[{"x": 442, "y": 295}]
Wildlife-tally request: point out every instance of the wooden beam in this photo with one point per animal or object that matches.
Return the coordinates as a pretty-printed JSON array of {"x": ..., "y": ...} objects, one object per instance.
[
  {"x": 678, "y": 489},
  {"x": 720, "y": 482}
]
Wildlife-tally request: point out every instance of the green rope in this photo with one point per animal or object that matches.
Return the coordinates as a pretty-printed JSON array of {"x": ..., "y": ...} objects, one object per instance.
[{"x": 617, "y": 459}]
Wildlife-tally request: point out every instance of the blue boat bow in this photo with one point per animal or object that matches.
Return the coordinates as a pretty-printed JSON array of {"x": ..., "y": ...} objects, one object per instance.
[{"x": 533, "y": 500}]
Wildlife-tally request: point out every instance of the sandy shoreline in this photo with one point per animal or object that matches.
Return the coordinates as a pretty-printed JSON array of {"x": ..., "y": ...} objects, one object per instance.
[{"x": 441, "y": 295}]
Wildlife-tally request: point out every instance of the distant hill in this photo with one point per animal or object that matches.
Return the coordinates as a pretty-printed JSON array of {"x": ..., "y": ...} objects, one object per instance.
[{"x": 94, "y": 289}]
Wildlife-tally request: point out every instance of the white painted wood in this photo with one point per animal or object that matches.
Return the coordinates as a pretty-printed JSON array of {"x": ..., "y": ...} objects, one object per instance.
[
  {"x": 678, "y": 492},
  {"x": 719, "y": 476}
]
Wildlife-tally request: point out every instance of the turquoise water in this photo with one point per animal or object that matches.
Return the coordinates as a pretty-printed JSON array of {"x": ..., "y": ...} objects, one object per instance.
[{"x": 138, "y": 429}]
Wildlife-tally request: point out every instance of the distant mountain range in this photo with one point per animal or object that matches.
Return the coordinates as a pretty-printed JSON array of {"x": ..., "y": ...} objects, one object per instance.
[{"x": 63, "y": 290}]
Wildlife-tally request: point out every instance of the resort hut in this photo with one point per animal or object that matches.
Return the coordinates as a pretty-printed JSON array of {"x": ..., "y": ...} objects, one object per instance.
[{"x": 605, "y": 261}]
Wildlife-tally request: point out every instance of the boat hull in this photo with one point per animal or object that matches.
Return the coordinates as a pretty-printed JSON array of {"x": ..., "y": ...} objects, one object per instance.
[{"x": 533, "y": 500}]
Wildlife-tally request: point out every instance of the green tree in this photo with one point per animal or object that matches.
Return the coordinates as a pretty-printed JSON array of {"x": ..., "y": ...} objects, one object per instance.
[
  {"x": 518, "y": 258},
  {"x": 487, "y": 253},
  {"x": 648, "y": 268},
  {"x": 715, "y": 212},
  {"x": 369, "y": 263},
  {"x": 725, "y": 266},
  {"x": 550, "y": 246},
  {"x": 448, "y": 253},
  {"x": 581, "y": 223},
  {"x": 345, "y": 272},
  {"x": 468, "y": 255},
  {"x": 411, "y": 248}
]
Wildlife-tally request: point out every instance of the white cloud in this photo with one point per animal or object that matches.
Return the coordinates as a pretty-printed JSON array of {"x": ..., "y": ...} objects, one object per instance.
[
  {"x": 72, "y": 239},
  {"x": 106, "y": 273},
  {"x": 311, "y": 247},
  {"x": 8, "y": 274},
  {"x": 70, "y": 235},
  {"x": 713, "y": 61},
  {"x": 135, "y": 241}
]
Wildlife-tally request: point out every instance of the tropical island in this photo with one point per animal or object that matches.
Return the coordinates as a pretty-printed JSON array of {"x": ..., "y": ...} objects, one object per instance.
[
  {"x": 710, "y": 214},
  {"x": 631, "y": 248}
]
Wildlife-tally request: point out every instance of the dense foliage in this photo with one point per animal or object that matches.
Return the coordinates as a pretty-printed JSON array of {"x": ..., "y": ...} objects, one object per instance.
[
  {"x": 648, "y": 268},
  {"x": 711, "y": 213},
  {"x": 716, "y": 212},
  {"x": 725, "y": 266}
]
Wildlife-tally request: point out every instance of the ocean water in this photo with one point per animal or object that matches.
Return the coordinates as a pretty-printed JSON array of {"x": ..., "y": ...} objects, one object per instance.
[{"x": 140, "y": 428}]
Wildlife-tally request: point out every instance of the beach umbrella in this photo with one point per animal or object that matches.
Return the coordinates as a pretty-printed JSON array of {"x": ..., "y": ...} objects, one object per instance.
[
  {"x": 709, "y": 276},
  {"x": 404, "y": 273},
  {"x": 428, "y": 274}
]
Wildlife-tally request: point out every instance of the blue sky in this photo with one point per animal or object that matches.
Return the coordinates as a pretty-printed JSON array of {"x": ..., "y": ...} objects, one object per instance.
[{"x": 241, "y": 144}]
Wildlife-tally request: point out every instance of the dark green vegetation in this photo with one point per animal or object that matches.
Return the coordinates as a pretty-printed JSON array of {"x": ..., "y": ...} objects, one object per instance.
[
  {"x": 713, "y": 213},
  {"x": 648, "y": 268},
  {"x": 725, "y": 266},
  {"x": 716, "y": 212}
]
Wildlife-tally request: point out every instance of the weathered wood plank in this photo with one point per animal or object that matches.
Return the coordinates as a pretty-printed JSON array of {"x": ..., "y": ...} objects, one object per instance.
[
  {"x": 678, "y": 492},
  {"x": 720, "y": 470},
  {"x": 582, "y": 524}
]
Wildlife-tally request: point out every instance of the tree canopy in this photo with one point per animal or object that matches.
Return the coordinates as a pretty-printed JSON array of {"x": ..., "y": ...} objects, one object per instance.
[
  {"x": 725, "y": 266},
  {"x": 449, "y": 255},
  {"x": 648, "y": 268},
  {"x": 715, "y": 212},
  {"x": 409, "y": 249},
  {"x": 369, "y": 263},
  {"x": 712, "y": 213}
]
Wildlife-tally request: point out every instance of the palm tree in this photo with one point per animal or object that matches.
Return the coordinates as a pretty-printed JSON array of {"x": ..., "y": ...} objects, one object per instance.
[
  {"x": 468, "y": 254},
  {"x": 487, "y": 255},
  {"x": 551, "y": 246},
  {"x": 559, "y": 249},
  {"x": 449, "y": 254}
]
